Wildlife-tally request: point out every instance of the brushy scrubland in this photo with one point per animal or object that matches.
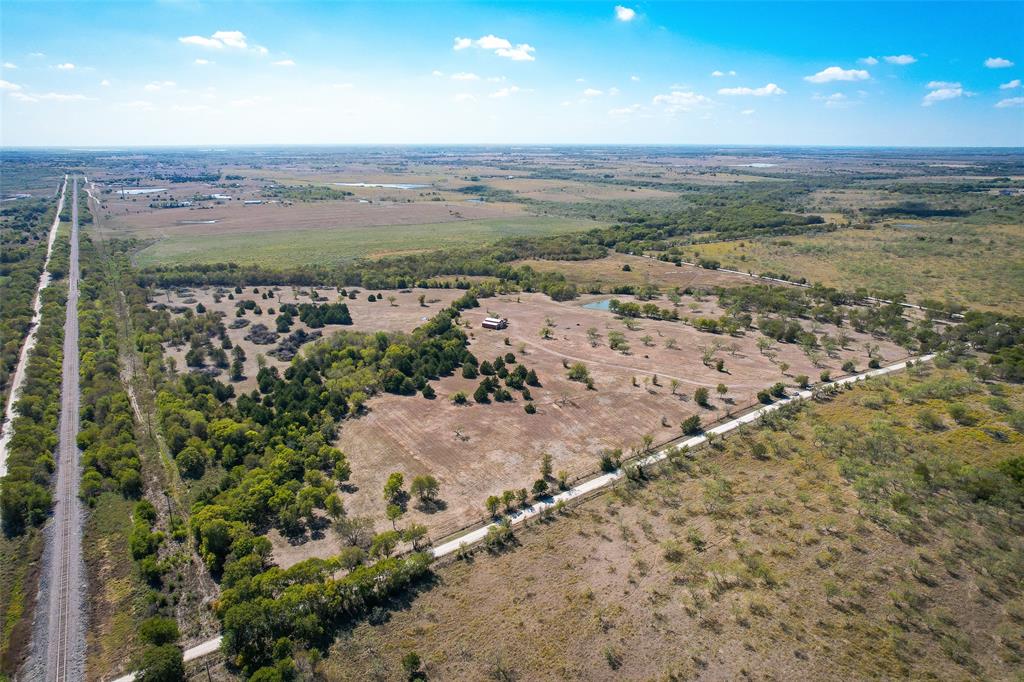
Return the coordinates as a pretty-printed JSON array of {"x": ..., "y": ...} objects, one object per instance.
[{"x": 875, "y": 535}]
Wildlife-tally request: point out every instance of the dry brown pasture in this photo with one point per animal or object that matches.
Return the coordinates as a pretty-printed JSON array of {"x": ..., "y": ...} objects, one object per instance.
[
  {"x": 574, "y": 191},
  {"x": 237, "y": 218},
  {"x": 607, "y": 272},
  {"x": 480, "y": 450}
]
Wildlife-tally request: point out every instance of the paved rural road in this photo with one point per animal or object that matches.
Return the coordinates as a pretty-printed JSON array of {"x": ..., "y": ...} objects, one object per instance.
[
  {"x": 472, "y": 537},
  {"x": 58, "y": 647},
  {"x": 30, "y": 340}
]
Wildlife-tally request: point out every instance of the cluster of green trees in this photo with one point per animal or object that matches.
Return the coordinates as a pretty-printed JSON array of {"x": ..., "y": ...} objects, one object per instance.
[
  {"x": 651, "y": 310},
  {"x": 110, "y": 457},
  {"x": 23, "y": 239},
  {"x": 313, "y": 315},
  {"x": 305, "y": 193},
  {"x": 494, "y": 371},
  {"x": 25, "y": 491}
]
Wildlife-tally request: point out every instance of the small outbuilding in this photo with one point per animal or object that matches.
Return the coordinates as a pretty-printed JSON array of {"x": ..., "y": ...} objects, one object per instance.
[{"x": 495, "y": 323}]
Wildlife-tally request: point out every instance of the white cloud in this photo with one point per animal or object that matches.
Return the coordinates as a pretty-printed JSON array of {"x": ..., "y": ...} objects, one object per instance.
[
  {"x": 495, "y": 79},
  {"x": 36, "y": 54},
  {"x": 436, "y": 74},
  {"x": 764, "y": 91},
  {"x": 1015, "y": 83},
  {"x": 505, "y": 92},
  {"x": 870, "y": 61},
  {"x": 592, "y": 92},
  {"x": 624, "y": 13},
  {"x": 235, "y": 39},
  {"x": 500, "y": 46},
  {"x": 464, "y": 76},
  {"x": 464, "y": 97},
  {"x": 285, "y": 62},
  {"x": 63, "y": 97},
  {"x": 157, "y": 86},
  {"x": 718, "y": 74},
  {"x": 202, "y": 62},
  {"x": 681, "y": 101},
  {"x": 9, "y": 86},
  {"x": 104, "y": 83},
  {"x": 22, "y": 97},
  {"x": 998, "y": 63},
  {"x": 1010, "y": 102},
  {"x": 67, "y": 66},
  {"x": 612, "y": 92},
  {"x": 201, "y": 42},
  {"x": 222, "y": 39},
  {"x": 635, "y": 79},
  {"x": 900, "y": 59},
  {"x": 747, "y": 112},
  {"x": 581, "y": 80},
  {"x": 10, "y": 65},
  {"x": 943, "y": 91},
  {"x": 835, "y": 73},
  {"x": 624, "y": 111}
]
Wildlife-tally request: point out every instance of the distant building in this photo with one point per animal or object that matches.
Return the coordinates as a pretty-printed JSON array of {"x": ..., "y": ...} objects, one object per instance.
[
  {"x": 253, "y": 202},
  {"x": 495, "y": 323}
]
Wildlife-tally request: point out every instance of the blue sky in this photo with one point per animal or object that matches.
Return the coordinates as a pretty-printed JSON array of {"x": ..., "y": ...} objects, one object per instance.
[{"x": 830, "y": 73}]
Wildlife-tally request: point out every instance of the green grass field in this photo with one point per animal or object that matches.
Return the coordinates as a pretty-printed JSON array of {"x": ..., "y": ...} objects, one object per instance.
[{"x": 334, "y": 246}]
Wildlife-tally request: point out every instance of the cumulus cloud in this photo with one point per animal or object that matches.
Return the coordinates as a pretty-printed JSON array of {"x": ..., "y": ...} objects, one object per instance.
[
  {"x": 436, "y": 74},
  {"x": 1010, "y": 102},
  {"x": 104, "y": 83},
  {"x": 285, "y": 62},
  {"x": 624, "y": 13},
  {"x": 941, "y": 91},
  {"x": 465, "y": 77},
  {"x": 505, "y": 92},
  {"x": 22, "y": 97},
  {"x": 835, "y": 73},
  {"x": 764, "y": 91},
  {"x": 635, "y": 79},
  {"x": 10, "y": 65},
  {"x": 681, "y": 101},
  {"x": 66, "y": 66},
  {"x": 8, "y": 86},
  {"x": 900, "y": 59},
  {"x": 522, "y": 52},
  {"x": 592, "y": 92},
  {"x": 202, "y": 62},
  {"x": 748, "y": 112},
  {"x": 870, "y": 61},
  {"x": 718, "y": 74},
  {"x": 157, "y": 86},
  {"x": 998, "y": 63},
  {"x": 1015, "y": 83},
  {"x": 836, "y": 100},
  {"x": 220, "y": 40}
]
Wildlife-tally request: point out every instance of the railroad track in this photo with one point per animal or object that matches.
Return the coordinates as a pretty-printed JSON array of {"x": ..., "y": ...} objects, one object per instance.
[{"x": 64, "y": 644}]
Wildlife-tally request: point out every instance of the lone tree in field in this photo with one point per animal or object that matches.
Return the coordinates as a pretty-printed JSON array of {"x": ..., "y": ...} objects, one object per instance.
[
  {"x": 393, "y": 513},
  {"x": 425, "y": 488},
  {"x": 545, "y": 332},
  {"x": 579, "y": 372},
  {"x": 393, "y": 488},
  {"x": 722, "y": 390},
  {"x": 492, "y": 504},
  {"x": 700, "y": 396},
  {"x": 674, "y": 384},
  {"x": 545, "y": 466}
]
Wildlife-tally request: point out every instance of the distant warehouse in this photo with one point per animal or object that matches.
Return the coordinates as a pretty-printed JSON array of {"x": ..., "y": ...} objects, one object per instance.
[{"x": 495, "y": 323}]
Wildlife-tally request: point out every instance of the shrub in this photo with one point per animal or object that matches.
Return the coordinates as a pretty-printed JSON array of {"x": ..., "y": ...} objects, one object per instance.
[
  {"x": 691, "y": 425},
  {"x": 700, "y": 396},
  {"x": 529, "y": 408},
  {"x": 849, "y": 367},
  {"x": 158, "y": 631},
  {"x": 929, "y": 420},
  {"x": 764, "y": 397}
]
